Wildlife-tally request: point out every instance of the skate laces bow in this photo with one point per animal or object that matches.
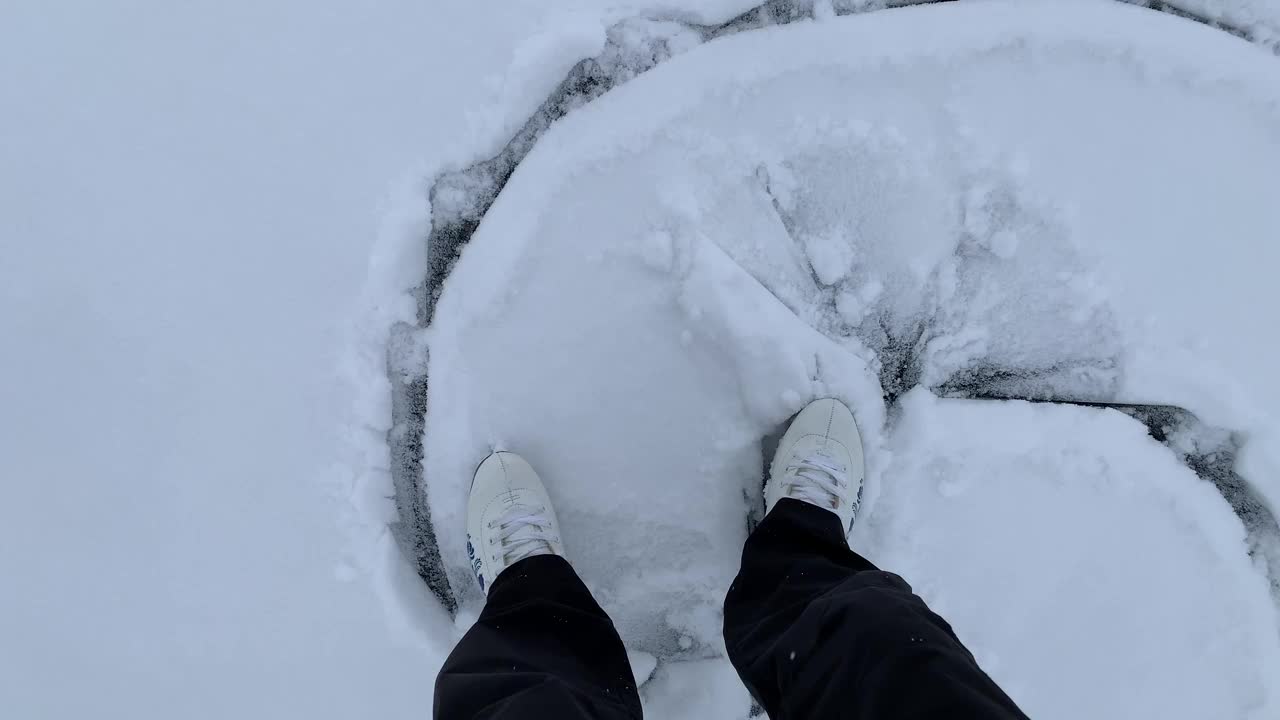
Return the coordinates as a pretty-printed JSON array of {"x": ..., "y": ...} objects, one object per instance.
[
  {"x": 819, "y": 479},
  {"x": 523, "y": 531}
]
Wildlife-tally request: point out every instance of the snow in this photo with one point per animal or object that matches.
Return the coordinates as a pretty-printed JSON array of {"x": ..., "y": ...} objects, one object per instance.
[
  {"x": 188, "y": 196},
  {"x": 210, "y": 215},
  {"x": 769, "y": 217},
  {"x": 1260, "y": 19},
  {"x": 979, "y": 495}
]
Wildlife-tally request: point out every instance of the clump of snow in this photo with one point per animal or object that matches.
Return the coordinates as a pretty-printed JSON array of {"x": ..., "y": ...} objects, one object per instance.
[{"x": 642, "y": 665}]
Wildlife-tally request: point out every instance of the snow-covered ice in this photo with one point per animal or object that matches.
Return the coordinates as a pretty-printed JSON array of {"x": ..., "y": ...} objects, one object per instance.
[
  {"x": 921, "y": 196},
  {"x": 212, "y": 217},
  {"x": 188, "y": 198},
  {"x": 1069, "y": 550}
]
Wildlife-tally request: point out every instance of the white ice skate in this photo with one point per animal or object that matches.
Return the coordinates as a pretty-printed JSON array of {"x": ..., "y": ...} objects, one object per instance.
[
  {"x": 819, "y": 461},
  {"x": 509, "y": 517}
]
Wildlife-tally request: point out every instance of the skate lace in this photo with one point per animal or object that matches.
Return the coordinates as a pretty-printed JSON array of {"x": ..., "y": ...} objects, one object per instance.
[
  {"x": 818, "y": 479},
  {"x": 523, "y": 531}
]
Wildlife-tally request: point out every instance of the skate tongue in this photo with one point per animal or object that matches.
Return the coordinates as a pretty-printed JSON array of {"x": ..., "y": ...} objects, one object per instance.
[
  {"x": 828, "y": 460},
  {"x": 524, "y": 532},
  {"x": 818, "y": 479}
]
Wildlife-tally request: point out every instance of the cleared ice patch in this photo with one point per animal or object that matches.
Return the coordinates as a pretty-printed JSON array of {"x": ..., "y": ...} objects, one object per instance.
[{"x": 679, "y": 266}]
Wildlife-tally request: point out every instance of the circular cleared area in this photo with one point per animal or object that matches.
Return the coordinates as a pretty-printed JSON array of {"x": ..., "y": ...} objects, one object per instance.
[{"x": 1076, "y": 202}]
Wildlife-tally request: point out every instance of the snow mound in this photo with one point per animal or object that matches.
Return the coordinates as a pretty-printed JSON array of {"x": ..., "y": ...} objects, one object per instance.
[{"x": 856, "y": 208}]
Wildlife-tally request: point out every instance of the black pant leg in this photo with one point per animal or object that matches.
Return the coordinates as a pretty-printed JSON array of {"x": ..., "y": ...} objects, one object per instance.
[
  {"x": 818, "y": 632},
  {"x": 542, "y": 648}
]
